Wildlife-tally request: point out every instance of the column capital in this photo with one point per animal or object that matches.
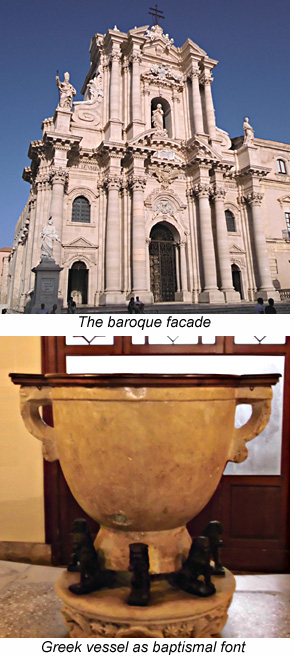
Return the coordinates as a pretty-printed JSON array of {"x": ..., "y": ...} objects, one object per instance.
[
  {"x": 218, "y": 193},
  {"x": 58, "y": 176},
  {"x": 202, "y": 190},
  {"x": 194, "y": 71},
  {"x": 115, "y": 55},
  {"x": 206, "y": 79},
  {"x": 137, "y": 182},
  {"x": 135, "y": 57},
  {"x": 182, "y": 245},
  {"x": 113, "y": 182},
  {"x": 42, "y": 181},
  {"x": 254, "y": 198}
]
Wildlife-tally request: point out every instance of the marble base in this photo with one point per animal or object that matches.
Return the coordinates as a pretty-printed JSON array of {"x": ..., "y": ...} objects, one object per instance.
[
  {"x": 46, "y": 284},
  {"x": 211, "y": 296},
  {"x": 170, "y": 614}
]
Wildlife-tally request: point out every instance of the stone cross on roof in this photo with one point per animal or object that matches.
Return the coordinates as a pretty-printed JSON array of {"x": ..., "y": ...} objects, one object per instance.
[{"x": 156, "y": 14}]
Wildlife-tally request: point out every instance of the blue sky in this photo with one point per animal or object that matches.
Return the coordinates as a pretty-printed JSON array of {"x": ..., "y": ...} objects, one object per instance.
[{"x": 249, "y": 38}]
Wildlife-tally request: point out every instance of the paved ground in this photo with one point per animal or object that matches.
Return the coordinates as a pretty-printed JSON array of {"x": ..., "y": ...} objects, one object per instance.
[
  {"x": 177, "y": 308},
  {"x": 29, "y": 606}
]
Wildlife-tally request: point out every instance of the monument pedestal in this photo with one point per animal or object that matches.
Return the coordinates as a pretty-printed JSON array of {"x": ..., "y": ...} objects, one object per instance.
[
  {"x": 46, "y": 284},
  {"x": 170, "y": 613}
]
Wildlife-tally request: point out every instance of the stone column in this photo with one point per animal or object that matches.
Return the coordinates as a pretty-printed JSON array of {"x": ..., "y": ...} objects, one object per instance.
[
  {"x": 223, "y": 251},
  {"x": 197, "y": 107},
  {"x": 210, "y": 115},
  {"x": 139, "y": 279},
  {"x": 210, "y": 293},
  {"x": 113, "y": 293},
  {"x": 136, "y": 87},
  {"x": 58, "y": 178},
  {"x": 176, "y": 131},
  {"x": 114, "y": 132},
  {"x": 183, "y": 294},
  {"x": 266, "y": 289}
]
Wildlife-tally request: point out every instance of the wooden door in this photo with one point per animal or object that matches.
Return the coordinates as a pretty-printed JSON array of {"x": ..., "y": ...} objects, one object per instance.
[{"x": 253, "y": 509}]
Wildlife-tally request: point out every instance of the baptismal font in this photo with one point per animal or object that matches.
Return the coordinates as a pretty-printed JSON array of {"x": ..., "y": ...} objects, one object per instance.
[{"x": 143, "y": 455}]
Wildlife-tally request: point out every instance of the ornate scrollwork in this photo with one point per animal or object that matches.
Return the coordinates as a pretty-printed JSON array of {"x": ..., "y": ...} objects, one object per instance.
[{"x": 164, "y": 207}]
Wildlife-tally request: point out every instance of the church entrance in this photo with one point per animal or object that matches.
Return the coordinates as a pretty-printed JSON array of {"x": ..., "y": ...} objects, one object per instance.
[
  {"x": 236, "y": 275},
  {"x": 78, "y": 283},
  {"x": 162, "y": 264}
]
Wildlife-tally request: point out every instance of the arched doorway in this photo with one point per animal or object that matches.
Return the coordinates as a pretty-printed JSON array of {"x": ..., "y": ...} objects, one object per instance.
[
  {"x": 78, "y": 282},
  {"x": 162, "y": 264},
  {"x": 236, "y": 276}
]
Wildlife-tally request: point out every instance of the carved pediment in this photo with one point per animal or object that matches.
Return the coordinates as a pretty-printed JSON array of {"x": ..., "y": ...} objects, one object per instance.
[
  {"x": 80, "y": 243},
  {"x": 284, "y": 200},
  {"x": 236, "y": 250}
]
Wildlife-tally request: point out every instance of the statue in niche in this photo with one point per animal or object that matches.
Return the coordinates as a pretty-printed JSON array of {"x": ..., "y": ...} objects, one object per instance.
[
  {"x": 157, "y": 117},
  {"x": 84, "y": 560},
  {"x": 139, "y": 567},
  {"x": 48, "y": 235},
  {"x": 66, "y": 90},
  {"x": 248, "y": 131}
]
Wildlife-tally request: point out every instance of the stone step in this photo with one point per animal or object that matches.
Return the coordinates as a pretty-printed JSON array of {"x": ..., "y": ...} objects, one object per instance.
[{"x": 182, "y": 308}]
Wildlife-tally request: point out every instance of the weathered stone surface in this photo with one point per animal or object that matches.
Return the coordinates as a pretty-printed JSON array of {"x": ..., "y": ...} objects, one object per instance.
[{"x": 170, "y": 613}]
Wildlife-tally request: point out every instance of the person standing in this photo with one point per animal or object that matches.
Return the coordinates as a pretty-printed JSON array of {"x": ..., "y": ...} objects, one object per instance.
[
  {"x": 270, "y": 310},
  {"x": 259, "y": 308}
]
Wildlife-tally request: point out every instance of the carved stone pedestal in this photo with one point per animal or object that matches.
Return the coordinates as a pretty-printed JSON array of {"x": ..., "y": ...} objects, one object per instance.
[
  {"x": 171, "y": 613},
  {"x": 46, "y": 284}
]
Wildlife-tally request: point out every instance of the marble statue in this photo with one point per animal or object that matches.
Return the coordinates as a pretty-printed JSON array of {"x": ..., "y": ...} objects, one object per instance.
[
  {"x": 139, "y": 567},
  {"x": 196, "y": 565},
  {"x": 48, "y": 234},
  {"x": 213, "y": 531},
  {"x": 84, "y": 560},
  {"x": 157, "y": 117},
  {"x": 248, "y": 131},
  {"x": 66, "y": 90}
]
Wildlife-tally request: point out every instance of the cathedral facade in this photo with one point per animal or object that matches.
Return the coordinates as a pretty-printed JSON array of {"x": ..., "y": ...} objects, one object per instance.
[{"x": 147, "y": 195}]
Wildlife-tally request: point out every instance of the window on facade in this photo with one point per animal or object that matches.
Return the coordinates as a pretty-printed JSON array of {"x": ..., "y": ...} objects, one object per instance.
[
  {"x": 81, "y": 210},
  {"x": 281, "y": 164},
  {"x": 287, "y": 218},
  {"x": 230, "y": 219}
]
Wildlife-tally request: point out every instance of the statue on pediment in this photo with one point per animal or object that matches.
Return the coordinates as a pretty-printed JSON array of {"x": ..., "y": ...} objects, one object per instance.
[
  {"x": 66, "y": 90},
  {"x": 248, "y": 131}
]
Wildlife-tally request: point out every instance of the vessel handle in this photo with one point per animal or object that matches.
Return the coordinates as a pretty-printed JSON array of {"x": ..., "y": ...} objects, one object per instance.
[
  {"x": 260, "y": 400},
  {"x": 31, "y": 399}
]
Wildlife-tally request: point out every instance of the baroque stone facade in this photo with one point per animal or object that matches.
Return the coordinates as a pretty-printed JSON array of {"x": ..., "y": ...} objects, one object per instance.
[{"x": 147, "y": 194}]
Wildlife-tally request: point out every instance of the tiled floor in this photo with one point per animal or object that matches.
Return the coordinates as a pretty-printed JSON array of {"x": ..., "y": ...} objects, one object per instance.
[{"x": 29, "y": 606}]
